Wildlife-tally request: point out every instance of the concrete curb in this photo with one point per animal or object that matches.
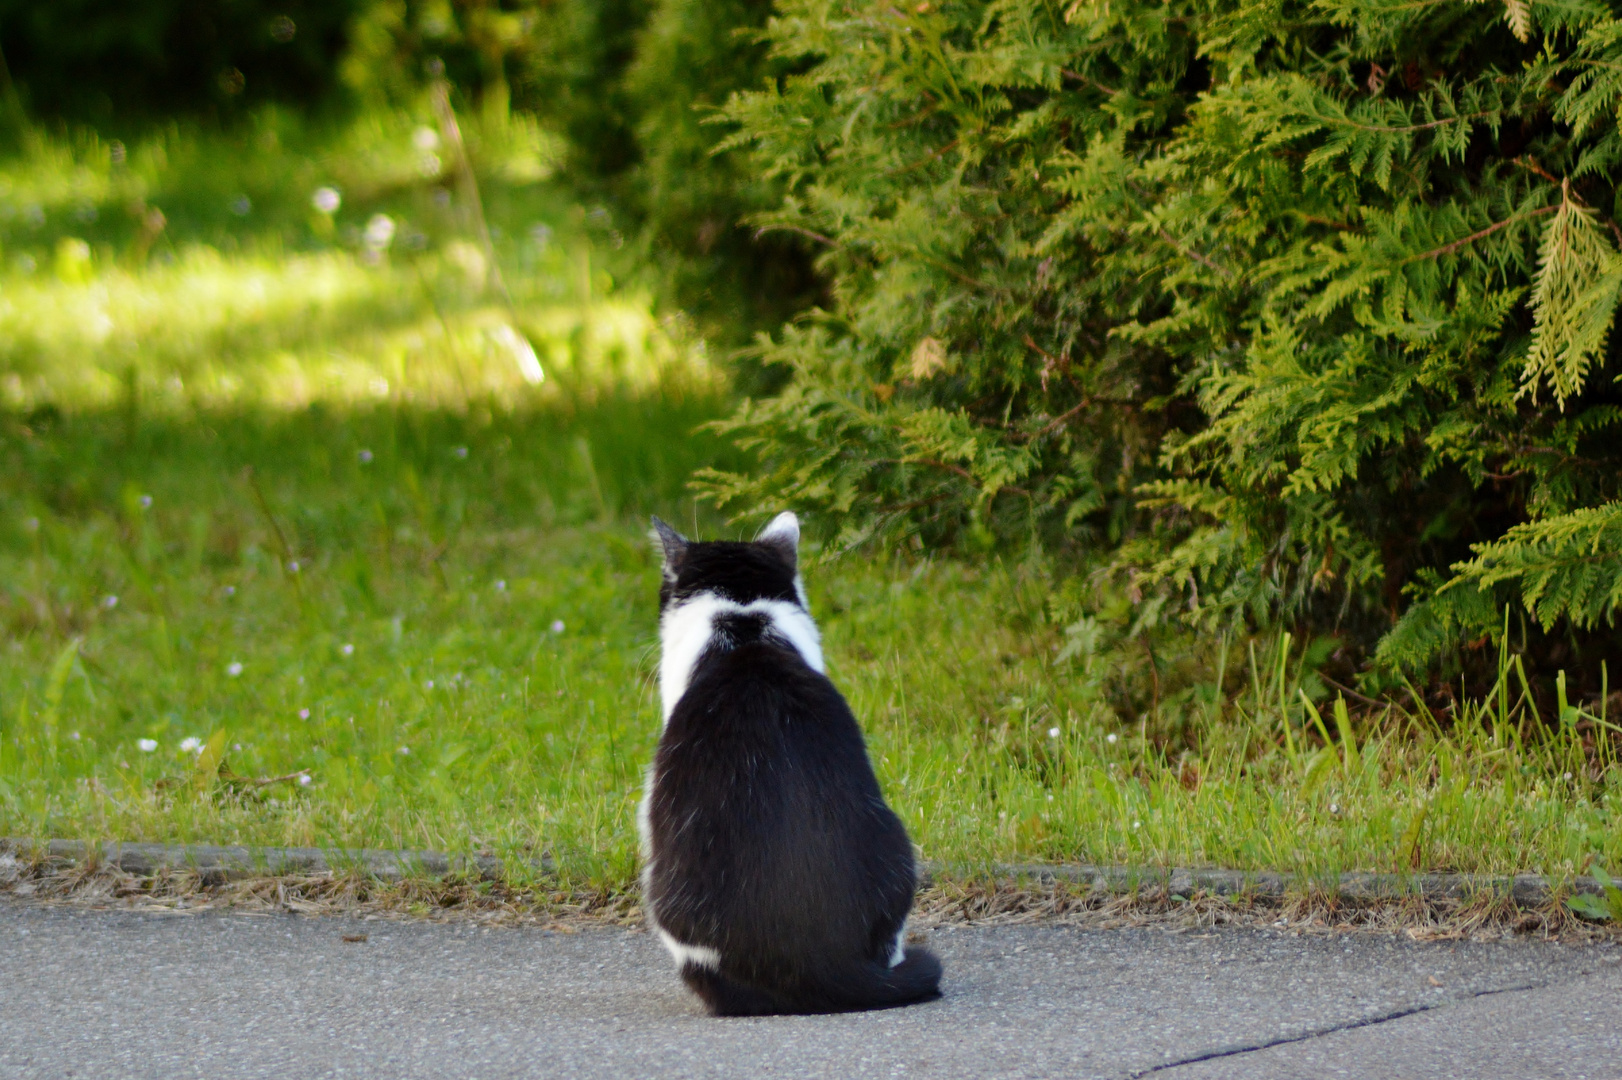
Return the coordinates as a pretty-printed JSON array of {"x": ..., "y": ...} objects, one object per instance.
[
  {"x": 216, "y": 865},
  {"x": 1527, "y": 889},
  {"x": 219, "y": 864}
]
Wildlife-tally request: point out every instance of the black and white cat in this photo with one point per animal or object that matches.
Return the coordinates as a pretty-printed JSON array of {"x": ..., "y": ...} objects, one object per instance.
[{"x": 773, "y": 870}]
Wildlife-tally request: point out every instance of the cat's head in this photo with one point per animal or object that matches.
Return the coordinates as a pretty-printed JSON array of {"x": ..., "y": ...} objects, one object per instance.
[{"x": 765, "y": 568}]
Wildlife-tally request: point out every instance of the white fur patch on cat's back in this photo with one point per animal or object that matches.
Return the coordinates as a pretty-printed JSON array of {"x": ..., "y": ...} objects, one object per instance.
[{"x": 686, "y": 629}]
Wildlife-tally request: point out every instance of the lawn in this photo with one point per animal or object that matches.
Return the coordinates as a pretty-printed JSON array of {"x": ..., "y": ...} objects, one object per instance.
[{"x": 294, "y": 550}]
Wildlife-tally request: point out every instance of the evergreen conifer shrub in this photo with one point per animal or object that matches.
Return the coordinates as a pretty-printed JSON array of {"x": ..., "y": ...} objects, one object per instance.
[
  {"x": 693, "y": 202},
  {"x": 1289, "y": 313}
]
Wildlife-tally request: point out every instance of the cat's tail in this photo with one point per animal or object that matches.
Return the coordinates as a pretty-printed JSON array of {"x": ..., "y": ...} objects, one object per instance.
[
  {"x": 868, "y": 986},
  {"x": 875, "y": 986}
]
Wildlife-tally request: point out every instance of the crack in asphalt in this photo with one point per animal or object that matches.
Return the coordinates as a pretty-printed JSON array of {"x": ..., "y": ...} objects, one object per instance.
[{"x": 1367, "y": 1021}]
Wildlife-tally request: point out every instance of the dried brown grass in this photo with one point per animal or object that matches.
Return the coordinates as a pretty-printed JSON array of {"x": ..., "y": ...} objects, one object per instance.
[
  {"x": 997, "y": 902},
  {"x": 966, "y": 902}
]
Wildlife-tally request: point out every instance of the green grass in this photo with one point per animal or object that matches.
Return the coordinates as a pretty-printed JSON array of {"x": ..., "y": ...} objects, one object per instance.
[
  {"x": 498, "y": 695},
  {"x": 456, "y": 660},
  {"x": 300, "y": 506}
]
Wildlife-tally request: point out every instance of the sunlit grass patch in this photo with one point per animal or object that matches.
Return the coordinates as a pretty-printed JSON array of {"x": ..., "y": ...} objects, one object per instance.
[
  {"x": 218, "y": 331},
  {"x": 213, "y": 331},
  {"x": 253, "y": 182}
]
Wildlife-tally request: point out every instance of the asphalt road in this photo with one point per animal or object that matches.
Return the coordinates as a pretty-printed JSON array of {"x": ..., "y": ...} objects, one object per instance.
[{"x": 122, "y": 994}]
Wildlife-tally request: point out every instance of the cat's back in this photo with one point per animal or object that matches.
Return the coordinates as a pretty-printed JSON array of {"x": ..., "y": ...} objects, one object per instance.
[
  {"x": 764, "y": 813},
  {"x": 760, "y": 717}
]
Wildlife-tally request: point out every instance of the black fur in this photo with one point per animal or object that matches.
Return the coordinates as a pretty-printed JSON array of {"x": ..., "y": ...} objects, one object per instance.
[
  {"x": 770, "y": 841},
  {"x": 739, "y": 572}
]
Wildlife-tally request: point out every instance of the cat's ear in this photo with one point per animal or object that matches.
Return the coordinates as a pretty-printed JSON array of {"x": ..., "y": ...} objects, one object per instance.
[
  {"x": 783, "y": 534},
  {"x": 672, "y": 544}
]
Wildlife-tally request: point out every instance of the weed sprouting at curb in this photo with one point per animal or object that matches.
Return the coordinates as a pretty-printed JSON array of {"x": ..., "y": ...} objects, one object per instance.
[{"x": 1606, "y": 907}]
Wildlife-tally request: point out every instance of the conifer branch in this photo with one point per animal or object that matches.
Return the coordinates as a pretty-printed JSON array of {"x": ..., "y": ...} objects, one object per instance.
[
  {"x": 1094, "y": 83},
  {"x": 925, "y": 160},
  {"x": 1381, "y": 129},
  {"x": 1063, "y": 418},
  {"x": 764, "y": 229},
  {"x": 1191, "y": 253},
  {"x": 1531, "y": 165},
  {"x": 932, "y": 463},
  {"x": 1463, "y": 241}
]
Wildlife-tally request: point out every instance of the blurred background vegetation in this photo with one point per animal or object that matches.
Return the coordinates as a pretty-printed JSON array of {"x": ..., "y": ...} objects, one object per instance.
[
  {"x": 1248, "y": 354},
  {"x": 603, "y": 103}
]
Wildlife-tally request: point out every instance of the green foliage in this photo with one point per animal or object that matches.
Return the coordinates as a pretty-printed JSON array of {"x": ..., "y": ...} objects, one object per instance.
[
  {"x": 1256, "y": 302},
  {"x": 1566, "y": 567},
  {"x": 691, "y": 197},
  {"x": 464, "y": 660},
  {"x": 1574, "y": 302},
  {"x": 962, "y": 169},
  {"x": 1606, "y": 907},
  {"x": 290, "y": 507}
]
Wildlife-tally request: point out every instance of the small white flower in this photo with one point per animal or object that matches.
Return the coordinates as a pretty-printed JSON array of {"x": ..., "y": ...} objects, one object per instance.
[
  {"x": 304, "y": 780},
  {"x": 1334, "y": 808},
  {"x": 1111, "y": 737},
  {"x": 146, "y": 502},
  {"x": 1053, "y": 733},
  {"x": 237, "y": 747},
  {"x": 1137, "y": 824},
  {"x": 1566, "y": 776},
  {"x": 379, "y": 231},
  {"x": 304, "y": 714},
  {"x": 348, "y": 649},
  {"x": 1050, "y": 798},
  {"x": 74, "y": 735},
  {"x": 233, "y": 669},
  {"x": 403, "y": 750},
  {"x": 326, "y": 200},
  {"x": 460, "y": 452},
  {"x": 365, "y": 457},
  {"x": 293, "y": 566},
  {"x": 557, "y": 626},
  {"x": 109, "y": 602},
  {"x": 230, "y": 590},
  {"x": 425, "y": 139},
  {"x": 146, "y": 746},
  {"x": 430, "y": 684},
  {"x": 501, "y": 586}
]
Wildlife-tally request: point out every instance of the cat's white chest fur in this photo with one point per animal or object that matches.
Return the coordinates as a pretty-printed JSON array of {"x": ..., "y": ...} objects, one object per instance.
[{"x": 687, "y": 630}]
